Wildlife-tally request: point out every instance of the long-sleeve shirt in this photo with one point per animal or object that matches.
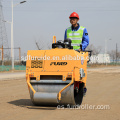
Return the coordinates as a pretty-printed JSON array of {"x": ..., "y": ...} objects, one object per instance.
[{"x": 85, "y": 39}]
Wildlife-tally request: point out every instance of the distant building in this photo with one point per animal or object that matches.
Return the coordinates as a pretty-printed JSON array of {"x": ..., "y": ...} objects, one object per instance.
[{"x": 100, "y": 58}]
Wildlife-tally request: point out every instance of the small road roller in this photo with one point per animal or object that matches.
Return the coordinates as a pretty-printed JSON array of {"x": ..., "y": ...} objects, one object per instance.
[{"x": 56, "y": 76}]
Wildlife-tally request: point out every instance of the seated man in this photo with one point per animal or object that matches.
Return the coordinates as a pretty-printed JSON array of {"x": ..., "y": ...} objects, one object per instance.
[{"x": 78, "y": 35}]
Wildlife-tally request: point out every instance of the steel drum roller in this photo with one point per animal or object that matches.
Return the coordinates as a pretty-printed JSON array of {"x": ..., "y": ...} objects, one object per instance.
[{"x": 46, "y": 93}]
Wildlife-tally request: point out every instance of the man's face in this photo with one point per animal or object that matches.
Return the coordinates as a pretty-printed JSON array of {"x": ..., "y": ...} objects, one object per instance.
[{"x": 73, "y": 20}]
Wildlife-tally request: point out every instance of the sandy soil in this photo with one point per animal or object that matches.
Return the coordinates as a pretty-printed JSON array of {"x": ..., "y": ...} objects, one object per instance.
[{"x": 103, "y": 89}]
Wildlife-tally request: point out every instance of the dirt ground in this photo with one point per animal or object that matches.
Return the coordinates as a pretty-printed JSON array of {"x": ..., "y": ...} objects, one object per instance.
[{"x": 103, "y": 89}]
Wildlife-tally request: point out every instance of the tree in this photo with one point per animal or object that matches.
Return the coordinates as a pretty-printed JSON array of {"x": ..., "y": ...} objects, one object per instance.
[
  {"x": 95, "y": 50},
  {"x": 112, "y": 55}
]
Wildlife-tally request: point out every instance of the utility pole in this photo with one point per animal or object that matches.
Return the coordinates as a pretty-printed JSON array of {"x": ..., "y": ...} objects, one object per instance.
[
  {"x": 106, "y": 50},
  {"x": 2, "y": 56},
  {"x": 19, "y": 54},
  {"x": 12, "y": 41},
  {"x": 116, "y": 52}
]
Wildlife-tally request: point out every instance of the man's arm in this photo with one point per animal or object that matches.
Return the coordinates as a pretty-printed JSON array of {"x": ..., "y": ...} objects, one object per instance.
[
  {"x": 85, "y": 39},
  {"x": 65, "y": 36}
]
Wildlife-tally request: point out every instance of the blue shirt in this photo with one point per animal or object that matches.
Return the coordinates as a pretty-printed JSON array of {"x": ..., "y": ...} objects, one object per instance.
[{"x": 85, "y": 39}]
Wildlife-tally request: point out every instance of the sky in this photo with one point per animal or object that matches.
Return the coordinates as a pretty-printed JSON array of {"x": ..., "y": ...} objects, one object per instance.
[{"x": 39, "y": 20}]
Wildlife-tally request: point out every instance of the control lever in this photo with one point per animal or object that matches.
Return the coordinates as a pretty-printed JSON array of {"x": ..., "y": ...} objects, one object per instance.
[{"x": 81, "y": 47}]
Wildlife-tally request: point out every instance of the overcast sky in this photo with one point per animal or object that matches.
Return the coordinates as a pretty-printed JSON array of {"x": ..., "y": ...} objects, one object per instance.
[{"x": 41, "y": 19}]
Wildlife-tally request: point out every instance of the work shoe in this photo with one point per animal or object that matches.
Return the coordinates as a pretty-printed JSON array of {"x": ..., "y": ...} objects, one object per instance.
[{"x": 84, "y": 91}]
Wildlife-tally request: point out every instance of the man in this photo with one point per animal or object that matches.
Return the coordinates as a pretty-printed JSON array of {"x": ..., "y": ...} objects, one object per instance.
[{"x": 78, "y": 35}]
